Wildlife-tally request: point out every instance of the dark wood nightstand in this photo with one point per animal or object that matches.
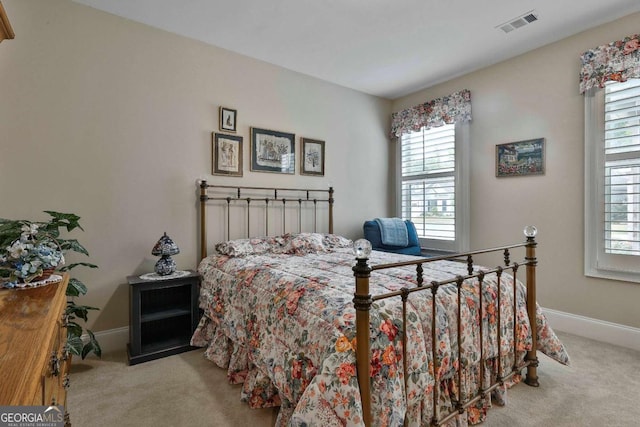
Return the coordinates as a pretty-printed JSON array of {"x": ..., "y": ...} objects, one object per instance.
[{"x": 163, "y": 314}]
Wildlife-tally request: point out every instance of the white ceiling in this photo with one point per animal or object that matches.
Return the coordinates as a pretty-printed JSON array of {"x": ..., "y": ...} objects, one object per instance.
[{"x": 387, "y": 48}]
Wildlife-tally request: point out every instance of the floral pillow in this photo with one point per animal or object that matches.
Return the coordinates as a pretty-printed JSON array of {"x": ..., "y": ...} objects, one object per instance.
[
  {"x": 296, "y": 244},
  {"x": 335, "y": 241},
  {"x": 305, "y": 243},
  {"x": 253, "y": 246}
]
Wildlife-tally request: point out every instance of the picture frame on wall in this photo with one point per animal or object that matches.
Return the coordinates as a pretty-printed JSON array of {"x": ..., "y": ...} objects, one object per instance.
[
  {"x": 226, "y": 154},
  {"x": 228, "y": 119},
  {"x": 272, "y": 151},
  {"x": 522, "y": 158},
  {"x": 311, "y": 157}
]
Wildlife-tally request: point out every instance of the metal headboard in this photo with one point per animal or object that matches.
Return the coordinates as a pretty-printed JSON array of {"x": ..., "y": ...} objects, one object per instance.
[{"x": 269, "y": 196}]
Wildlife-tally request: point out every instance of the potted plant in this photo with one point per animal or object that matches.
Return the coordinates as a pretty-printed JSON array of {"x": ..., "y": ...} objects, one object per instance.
[
  {"x": 29, "y": 250},
  {"x": 32, "y": 256}
]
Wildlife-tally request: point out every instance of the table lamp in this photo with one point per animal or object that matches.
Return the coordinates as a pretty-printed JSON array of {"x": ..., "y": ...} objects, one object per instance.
[{"x": 164, "y": 248}]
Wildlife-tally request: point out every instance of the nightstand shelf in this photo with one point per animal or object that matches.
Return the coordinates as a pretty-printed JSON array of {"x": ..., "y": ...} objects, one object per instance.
[
  {"x": 163, "y": 315},
  {"x": 161, "y": 347}
]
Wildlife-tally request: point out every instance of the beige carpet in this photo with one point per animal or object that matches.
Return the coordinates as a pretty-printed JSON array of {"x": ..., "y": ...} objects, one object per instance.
[{"x": 600, "y": 388}]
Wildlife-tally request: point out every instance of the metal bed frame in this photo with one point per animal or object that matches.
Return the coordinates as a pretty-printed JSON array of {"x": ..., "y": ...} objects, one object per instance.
[
  {"x": 230, "y": 194},
  {"x": 363, "y": 302},
  {"x": 363, "y": 272}
]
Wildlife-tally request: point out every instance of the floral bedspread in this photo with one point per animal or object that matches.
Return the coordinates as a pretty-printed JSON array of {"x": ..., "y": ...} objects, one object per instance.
[{"x": 278, "y": 315}]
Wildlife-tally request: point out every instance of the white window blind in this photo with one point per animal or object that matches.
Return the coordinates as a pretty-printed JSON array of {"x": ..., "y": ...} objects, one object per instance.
[
  {"x": 622, "y": 168},
  {"x": 428, "y": 190}
]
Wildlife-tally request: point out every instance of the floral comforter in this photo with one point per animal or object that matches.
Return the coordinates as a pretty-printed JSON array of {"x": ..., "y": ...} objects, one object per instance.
[{"x": 278, "y": 315}]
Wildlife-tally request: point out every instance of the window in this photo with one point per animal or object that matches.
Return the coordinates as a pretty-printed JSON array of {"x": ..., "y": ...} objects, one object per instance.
[
  {"x": 434, "y": 185},
  {"x": 612, "y": 164}
]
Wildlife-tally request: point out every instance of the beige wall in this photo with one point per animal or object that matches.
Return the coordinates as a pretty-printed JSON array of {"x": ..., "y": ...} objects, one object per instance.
[
  {"x": 536, "y": 95},
  {"x": 112, "y": 120}
]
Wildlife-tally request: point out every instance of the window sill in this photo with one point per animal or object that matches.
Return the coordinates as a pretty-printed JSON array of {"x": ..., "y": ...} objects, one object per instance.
[
  {"x": 434, "y": 252},
  {"x": 612, "y": 275}
]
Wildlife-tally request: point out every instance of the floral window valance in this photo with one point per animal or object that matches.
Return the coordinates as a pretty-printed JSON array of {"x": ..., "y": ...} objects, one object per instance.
[
  {"x": 448, "y": 109},
  {"x": 616, "y": 61}
]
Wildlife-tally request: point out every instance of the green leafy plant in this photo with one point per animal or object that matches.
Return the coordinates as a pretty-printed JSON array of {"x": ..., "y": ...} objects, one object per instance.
[
  {"x": 23, "y": 237},
  {"x": 32, "y": 255}
]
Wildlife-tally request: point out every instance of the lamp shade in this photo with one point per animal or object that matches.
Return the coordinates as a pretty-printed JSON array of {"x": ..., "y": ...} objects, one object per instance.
[{"x": 165, "y": 246}]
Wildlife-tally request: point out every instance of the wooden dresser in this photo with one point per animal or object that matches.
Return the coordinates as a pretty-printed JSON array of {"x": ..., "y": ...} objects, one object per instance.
[
  {"x": 34, "y": 365},
  {"x": 6, "y": 32}
]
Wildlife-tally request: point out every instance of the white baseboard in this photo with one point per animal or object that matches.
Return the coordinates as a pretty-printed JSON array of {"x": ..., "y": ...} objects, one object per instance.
[
  {"x": 625, "y": 336},
  {"x": 112, "y": 339},
  {"x": 599, "y": 330}
]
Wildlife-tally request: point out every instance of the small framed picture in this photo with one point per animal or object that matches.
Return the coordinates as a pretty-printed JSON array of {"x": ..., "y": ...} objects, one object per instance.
[
  {"x": 312, "y": 157},
  {"x": 228, "y": 118},
  {"x": 272, "y": 151},
  {"x": 227, "y": 154},
  {"x": 520, "y": 158}
]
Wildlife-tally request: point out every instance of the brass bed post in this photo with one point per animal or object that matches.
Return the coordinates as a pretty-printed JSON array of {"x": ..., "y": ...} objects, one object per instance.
[
  {"x": 330, "y": 210},
  {"x": 362, "y": 302},
  {"x": 248, "y": 217},
  {"x": 284, "y": 215},
  {"x": 266, "y": 216},
  {"x": 203, "y": 229},
  {"x": 532, "y": 358}
]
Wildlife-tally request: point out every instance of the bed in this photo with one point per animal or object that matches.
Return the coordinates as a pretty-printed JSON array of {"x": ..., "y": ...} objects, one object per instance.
[{"x": 334, "y": 335}]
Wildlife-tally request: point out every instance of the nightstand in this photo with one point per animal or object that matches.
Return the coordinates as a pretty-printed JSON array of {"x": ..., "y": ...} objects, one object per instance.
[{"x": 163, "y": 314}]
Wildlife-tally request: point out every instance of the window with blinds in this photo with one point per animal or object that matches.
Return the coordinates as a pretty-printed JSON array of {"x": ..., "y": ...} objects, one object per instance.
[
  {"x": 428, "y": 189},
  {"x": 622, "y": 168}
]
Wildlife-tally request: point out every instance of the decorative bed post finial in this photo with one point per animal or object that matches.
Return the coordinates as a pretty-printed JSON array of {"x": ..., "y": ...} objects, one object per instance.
[{"x": 530, "y": 232}]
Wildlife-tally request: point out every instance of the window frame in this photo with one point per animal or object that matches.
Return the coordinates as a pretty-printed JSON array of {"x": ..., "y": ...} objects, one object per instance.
[
  {"x": 462, "y": 193},
  {"x": 598, "y": 263}
]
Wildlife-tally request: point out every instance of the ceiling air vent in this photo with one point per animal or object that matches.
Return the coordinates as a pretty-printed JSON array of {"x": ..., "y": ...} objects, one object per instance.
[{"x": 518, "y": 22}]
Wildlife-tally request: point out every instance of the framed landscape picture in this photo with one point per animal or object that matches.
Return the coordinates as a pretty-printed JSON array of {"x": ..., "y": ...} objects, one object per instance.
[
  {"x": 520, "y": 158},
  {"x": 227, "y": 155},
  {"x": 272, "y": 151},
  {"x": 312, "y": 157}
]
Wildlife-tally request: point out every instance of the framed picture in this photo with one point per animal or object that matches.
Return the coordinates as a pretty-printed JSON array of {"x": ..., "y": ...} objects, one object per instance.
[
  {"x": 312, "y": 157},
  {"x": 272, "y": 151},
  {"x": 227, "y": 154},
  {"x": 520, "y": 158},
  {"x": 228, "y": 118}
]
